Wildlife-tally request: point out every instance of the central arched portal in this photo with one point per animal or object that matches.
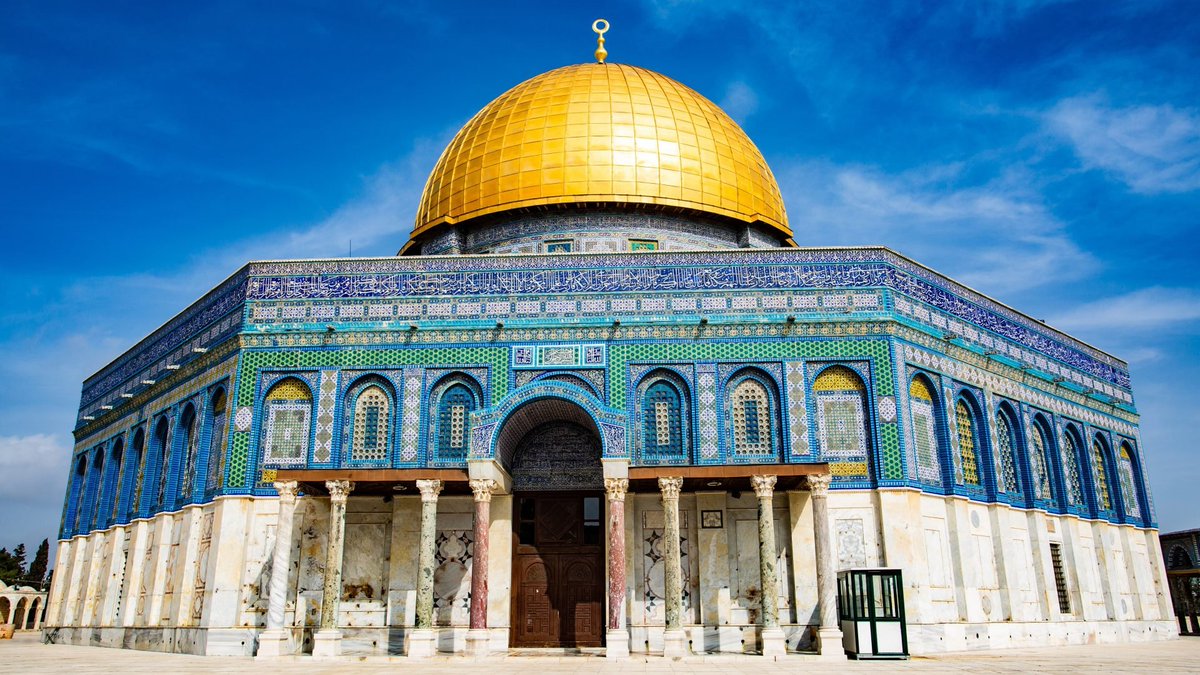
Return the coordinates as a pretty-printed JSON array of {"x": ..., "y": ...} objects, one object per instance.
[{"x": 552, "y": 449}]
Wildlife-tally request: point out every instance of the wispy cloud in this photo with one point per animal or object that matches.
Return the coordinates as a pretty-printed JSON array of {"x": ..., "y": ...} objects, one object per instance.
[
  {"x": 1146, "y": 309},
  {"x": 1151, "y": 148},
  {"x": 740, "y": 101},
  {"x": 997, "y": 236},
  {"x": 35, "y": 472}
]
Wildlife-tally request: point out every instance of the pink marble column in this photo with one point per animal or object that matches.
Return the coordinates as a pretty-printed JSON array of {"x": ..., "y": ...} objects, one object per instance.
[
  {"x": 618, "y": 639},
  {"x": 482, "y": 488}
]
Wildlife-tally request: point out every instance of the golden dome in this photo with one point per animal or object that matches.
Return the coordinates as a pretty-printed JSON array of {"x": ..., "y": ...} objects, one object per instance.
[{"x": 601, "y": 134}]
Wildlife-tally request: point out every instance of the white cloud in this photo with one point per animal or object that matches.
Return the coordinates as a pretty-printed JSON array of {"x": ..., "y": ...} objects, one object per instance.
[
  {"x": 998, "y": 236},
  {"x": 1153, "y": 149},
  {"x": 740, "y": 101},
  {"x": 34, "y": 470},
  {"x": 1146, "y": 309}
]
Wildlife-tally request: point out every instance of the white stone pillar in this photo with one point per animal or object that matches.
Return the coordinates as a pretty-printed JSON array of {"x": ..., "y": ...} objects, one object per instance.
[
  {"x": 328, "y": 640},
  {"x": 675, "y": 642},
  {"x": 275, "y": 641},
  {"x": 423, "y": 643},
  {"x": 829, "y": 634},
  {"x": 773, "y": 642}
]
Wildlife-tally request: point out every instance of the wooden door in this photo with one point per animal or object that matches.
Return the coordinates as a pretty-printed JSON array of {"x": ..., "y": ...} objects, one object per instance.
[{"x": 558, "y": 571}]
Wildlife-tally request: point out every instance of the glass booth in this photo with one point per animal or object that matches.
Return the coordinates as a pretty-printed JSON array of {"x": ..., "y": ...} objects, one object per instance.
[{"x": 871, "y": 612}]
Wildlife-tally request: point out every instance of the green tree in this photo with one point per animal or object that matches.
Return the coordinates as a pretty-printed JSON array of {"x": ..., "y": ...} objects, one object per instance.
[
  {"x": 10, "y": 567},
  {"x": 37, "y": 568}
]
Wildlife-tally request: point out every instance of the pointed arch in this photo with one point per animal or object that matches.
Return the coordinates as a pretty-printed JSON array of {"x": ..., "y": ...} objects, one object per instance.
[
  {"x": 752, "y": 405},
  {"x": 1129, "y": 483},
  {"x": 1040, "y": 464},
  {"x": 218, "y": 423},
  {"x": 138, "y": 459},
  {"x": 840, "y": 397},
  {"x": 114, "y": 485},
  {"x": 664, "y": 414},
  {"x": 288, "y": 425},
  {"x": 161, "y": 451},
  {"x": 925, "y": 417},
  {"x": 1008, "y": 479},
  {"x": 452, "y": 400},
  {"x": 95, "y": 479},
  {"x": 187, "y": 440},
  {"x": 1101, "y": 476},
  {"x": 78, "y": 488},
  {"x": 370, "y": 407},
  {"x": 966, "y": 429},
  {"x": 1071, "y": 446}
]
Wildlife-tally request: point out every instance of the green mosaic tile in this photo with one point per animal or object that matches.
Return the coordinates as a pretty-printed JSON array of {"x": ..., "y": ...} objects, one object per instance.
[{"x": 889, "y": 448}]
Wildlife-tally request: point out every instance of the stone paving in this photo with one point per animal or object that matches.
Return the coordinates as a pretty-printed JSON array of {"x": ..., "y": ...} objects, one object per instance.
[{"x": 26, "y": 654}]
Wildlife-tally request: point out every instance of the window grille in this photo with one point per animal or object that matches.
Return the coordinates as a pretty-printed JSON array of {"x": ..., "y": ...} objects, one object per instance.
[
  {"x": 1060, "y": 578},
  {"x": 1070, "y": 461},
  {"x": 966, "y": 443},
  {"x": 289, "y": 411},
  {"x": 1100, "y": 471},
  {"x": 453, "y": 436},
  {"x": 1041, "y": 472},
  {"x": 751, "y": 419},
  {"x": 1006, "y": 448},
  {"x": 924, "y": 429},
  {"x": 1128, "y": 484},
  {"x": 371, "y": 410},
  {"x": 662, "y": 436}
]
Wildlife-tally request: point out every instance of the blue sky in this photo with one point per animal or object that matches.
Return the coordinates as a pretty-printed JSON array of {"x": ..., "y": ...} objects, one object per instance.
[{"x": 1046, "y": 153}]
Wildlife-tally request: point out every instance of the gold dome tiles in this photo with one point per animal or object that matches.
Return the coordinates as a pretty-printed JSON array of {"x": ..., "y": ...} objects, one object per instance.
[{"x": 601, "y": 133}]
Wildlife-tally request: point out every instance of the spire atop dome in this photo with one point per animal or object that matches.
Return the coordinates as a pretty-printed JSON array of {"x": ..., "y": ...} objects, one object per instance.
[{"x": 600, "y": 27}]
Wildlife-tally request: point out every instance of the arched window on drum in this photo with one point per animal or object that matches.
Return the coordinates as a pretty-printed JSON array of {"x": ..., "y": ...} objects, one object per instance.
[
  {"x": 968, "y": 442},
  {"x": 662, "y": 423},
  {"x": 454, "y": 408},
  {"x": 370, "y": 427},
  {"x": 162, "y": 453},
  {"x": 138, "y": 463},
  {"x": 840, "y": 398},
  {"x": 1008, "y": 481},
  {"x": 925, "y": 429},
  {"x": 1129, "y": 489},
  {"x": 288, "y": 423},
  {"x": 752, "y": 415}
]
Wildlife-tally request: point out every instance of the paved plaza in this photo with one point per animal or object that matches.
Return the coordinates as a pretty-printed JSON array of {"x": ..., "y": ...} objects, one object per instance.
[{"x": 26, "y": 654}]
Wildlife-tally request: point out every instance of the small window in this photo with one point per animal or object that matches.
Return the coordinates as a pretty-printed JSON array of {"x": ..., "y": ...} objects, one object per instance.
[
  {"x": 643, "y": 245},
  {"x": 1060, "y": 579},
  {"x": 559, "y": 246},
  {"x": 591, "y": 521}
]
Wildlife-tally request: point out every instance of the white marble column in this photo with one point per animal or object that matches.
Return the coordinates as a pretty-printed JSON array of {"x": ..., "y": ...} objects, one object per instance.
[
  {"x": 275, "y": 641},
  {"x": 478, "y": 636},
  {"x": 328, "y": 640},
  {"x": 829, "y": 635},
  {"x": 773, "y": 642},
  {"x": 422, "y": 643},
  {"x": 675, "y": 642},
  {"x": 617, "y": 640}
]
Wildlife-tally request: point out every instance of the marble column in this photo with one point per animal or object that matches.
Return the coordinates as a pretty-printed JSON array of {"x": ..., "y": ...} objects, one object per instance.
[
  {"x": 275, "y": 641},
  {"x": 328, "y": 640},
  {"x": 478, "y": 637},
  {"x": 773, "y": 642},
  {"x": 829, "y": 635},
  {"x": 617, "y": 640},
  {"x": 422, "y": 643},
  {"x": 675, "y": 643}
]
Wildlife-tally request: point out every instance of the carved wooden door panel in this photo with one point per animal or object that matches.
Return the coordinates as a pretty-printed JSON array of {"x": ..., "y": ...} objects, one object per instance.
[{"x": 558, "y": 571}]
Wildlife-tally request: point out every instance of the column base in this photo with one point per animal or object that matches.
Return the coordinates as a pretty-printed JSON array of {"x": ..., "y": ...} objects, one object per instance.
[
  {"x": 675, "y": 644},
  {"x": 327, "y": 643},
  {"x": 479, "y": 643},
  {"x": 616, "y": 643},
  {"x": 422, "y": 643},
  {"x": 274, "y": 643},
  {"x": 829, "y": 644},
  {"x": 774, "y": 643}
]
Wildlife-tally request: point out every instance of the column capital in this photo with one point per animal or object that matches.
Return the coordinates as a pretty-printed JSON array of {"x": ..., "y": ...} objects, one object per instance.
[
  {"x": 764, "y": 486},
  {"x": 670, "y": 486},
  {"x": 482, "y": 488},
  {"x": 616, "y": 488},
  {"x": 429, "y": 489},
  {"x": 339, "y": 490},
  {"x": 818, "y": 484},
  {"x": 287, "y": 490}
]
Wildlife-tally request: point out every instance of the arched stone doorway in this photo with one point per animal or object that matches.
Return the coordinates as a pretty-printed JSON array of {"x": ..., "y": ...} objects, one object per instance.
[{"x": 552, "y": 450}]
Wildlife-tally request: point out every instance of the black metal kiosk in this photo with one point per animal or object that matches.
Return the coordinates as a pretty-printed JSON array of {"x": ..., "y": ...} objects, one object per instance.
[{"x": 871, "y": 612}]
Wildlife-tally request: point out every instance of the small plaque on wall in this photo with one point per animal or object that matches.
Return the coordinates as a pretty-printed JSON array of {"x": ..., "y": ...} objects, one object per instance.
[{"x": 712, "y": 520}]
